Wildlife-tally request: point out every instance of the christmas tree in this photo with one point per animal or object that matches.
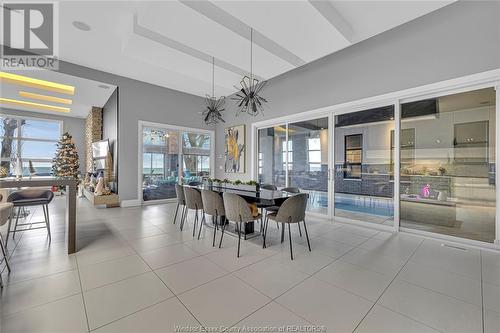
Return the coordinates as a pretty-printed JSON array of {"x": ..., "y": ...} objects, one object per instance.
[{"x": 65, "y": 163}]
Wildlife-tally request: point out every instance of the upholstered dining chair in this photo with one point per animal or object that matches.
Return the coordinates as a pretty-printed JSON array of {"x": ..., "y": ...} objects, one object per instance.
[
  {"x": 181, "y": 201},
  {"x": 264, "y": 208},
  {"x": 213, "y": 205},
  {"x": 27, "y": 198},
  {"x": 193, "y": 202},
  {"x": 237, "y": 211},
  {"x": 293, "y": 210}
]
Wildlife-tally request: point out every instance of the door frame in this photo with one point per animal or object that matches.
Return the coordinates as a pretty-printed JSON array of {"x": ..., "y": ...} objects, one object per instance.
[{"x": 179, "y": 130}]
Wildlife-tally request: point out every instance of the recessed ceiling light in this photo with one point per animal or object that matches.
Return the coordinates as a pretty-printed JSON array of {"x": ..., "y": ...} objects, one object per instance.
[
  {"x": 103, "y": 86},
  {"x": 81, "y": 25},
  {"x": 35, "y": 83},
  {"x": 8, "y": 101},
  {"x": 30, "y": 95}
]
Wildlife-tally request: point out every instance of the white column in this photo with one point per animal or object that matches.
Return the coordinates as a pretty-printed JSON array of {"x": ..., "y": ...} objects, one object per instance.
[
  {"x": 397, "y": 150},
  {"x": 497, "y": 160},
  {"x": 331, "y": 165}
]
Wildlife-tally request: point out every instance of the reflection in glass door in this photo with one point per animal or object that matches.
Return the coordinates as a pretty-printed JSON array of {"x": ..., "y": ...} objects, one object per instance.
[
  {"x": 363, "y": 158},
  {"x": 296, "y": 155},
  {"x": 448, "y": 165},
  {"x": 163, "y": 148},
  {"x": 308, "y": 161},
  {"x": 160, "y": 156}
]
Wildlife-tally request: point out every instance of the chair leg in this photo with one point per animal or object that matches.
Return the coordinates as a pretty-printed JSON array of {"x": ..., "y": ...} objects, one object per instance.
[
  {"x": 176, "y": 211},
  {"x": 290, "y": 236},
  {"x": 307, "y": 236},
  {"x": 222, "y": 234},
  {"x": 4, "y": 252},
  {"x": 17, "y": 220},
  {"x": 239, "y": 238},
  {"x": 195, "y": 221},
  {"x": 201, "y": 225},
  {"x": 300, "y": 231},
  {"x": 266, "y": 222},
  {"x": 215, "y": 229},
  {"x": 183, "y": 216},
  {"x": 8, "y": 227},
  {"x": 282, "y": 232},
  {"x": 47, "y": 221}
]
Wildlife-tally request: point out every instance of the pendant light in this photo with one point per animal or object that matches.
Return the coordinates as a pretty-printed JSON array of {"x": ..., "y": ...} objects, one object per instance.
[
  {"x": 248, "y": 98},
  {"x": 213, "y": 111}
]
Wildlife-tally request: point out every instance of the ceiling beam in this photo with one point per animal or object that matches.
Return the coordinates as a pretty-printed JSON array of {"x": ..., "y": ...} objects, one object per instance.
[
  {"x": 332, "y": 15},
  {"x": 232, "y": 23},
  {"x": 164, "y": 40}
]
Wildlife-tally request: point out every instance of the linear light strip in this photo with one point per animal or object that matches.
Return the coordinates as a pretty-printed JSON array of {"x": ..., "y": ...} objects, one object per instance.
[
  {"x": 54, "y": 99},
  {"x": 39, "y": 106},
  {"x": 35, "y": 83}
]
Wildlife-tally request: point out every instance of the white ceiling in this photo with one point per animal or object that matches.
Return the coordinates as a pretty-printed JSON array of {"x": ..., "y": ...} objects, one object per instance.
[
  {"x": 171, "y": 43},
  {"x": 87, "y": 92}
]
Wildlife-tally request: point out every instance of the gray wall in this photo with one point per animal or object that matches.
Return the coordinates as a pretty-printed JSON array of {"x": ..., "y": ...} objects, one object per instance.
[
  {"x": 140, "y": 101},
  {"x": 460, "y": 39},
  {"x": 110, "y": 131},
  {"x": 75, "y": 127}
]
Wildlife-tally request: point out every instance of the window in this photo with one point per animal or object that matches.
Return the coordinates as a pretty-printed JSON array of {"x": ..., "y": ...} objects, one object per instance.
[
  {"x": 290, "y": 155},
  {"x": 353, "y": 156},
  {"x": 314, "y": 154},
  {"x": 30, "y": 139}
]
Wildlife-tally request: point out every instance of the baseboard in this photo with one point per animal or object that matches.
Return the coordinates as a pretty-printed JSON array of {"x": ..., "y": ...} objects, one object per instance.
[{"x": 130, "y": 203}]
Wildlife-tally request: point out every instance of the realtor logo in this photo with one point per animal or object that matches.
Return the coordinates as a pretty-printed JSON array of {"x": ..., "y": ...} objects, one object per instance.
[{"x": 29, "y": 38}]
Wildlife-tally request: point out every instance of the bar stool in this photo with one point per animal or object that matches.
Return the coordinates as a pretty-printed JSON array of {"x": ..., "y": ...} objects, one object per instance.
[
  {"x": 212, "y": 205},
  {"x": 194, "y": 202},
  {"x": 181, "y": 201},
  {"x": 5, "y": 211},
  {"x": 26, "y": 198}
]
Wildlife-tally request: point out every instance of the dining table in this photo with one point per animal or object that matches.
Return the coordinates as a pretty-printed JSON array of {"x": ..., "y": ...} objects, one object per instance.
[{"x": 263, "y": 198}]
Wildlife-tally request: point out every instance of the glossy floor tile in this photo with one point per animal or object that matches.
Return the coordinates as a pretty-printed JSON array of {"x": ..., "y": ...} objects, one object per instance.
[{"x": 135, "y": 271}]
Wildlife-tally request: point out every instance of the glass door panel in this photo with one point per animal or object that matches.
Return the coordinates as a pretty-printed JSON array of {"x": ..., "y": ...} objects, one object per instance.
[
  {"x": 272, "y": 155},
  {"x": 160, "y": 163},
  {"x": 363, "y": 165},
  {"x": 448, "y": 165},
  {"x": 196, "y": 157},
  {"x": 308, "y": 161}
]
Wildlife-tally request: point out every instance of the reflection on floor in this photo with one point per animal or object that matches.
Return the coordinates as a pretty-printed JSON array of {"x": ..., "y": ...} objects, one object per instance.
[{"x": 137, "y": 272}]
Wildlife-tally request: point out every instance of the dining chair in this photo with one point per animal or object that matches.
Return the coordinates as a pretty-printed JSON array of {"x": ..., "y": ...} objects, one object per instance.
[
  {"x": 5, "y": 211},
  {"x": 213, "y": 205},
  {"x": 291, "y": 189},
  {"x": 27, "y": 198},
  {"x": 237, "y": 211},
  {"x": 181, "y": 201},
  {"x": 264, "y": 208},
  {"x": 293, "y": 210},
  {"x": 193, "y": 202}
]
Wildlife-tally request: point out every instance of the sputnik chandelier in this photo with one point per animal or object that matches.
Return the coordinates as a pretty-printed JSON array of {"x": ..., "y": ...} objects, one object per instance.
[
  {"x": 213, "y": 111},
  {"x": 248, "y": 98}
]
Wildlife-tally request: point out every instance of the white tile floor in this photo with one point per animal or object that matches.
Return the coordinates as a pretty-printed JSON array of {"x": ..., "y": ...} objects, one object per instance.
[{"x": 136, "y": 272}]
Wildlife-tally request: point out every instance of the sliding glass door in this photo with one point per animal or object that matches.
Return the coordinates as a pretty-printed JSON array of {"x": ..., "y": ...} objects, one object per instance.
[
  {"x": 296, "y": 155},
  {"x": 308, "y": 161},
  {"x": 363, "y": 157},
  {"x": 172, "y": 155},
  {"x": 448, "y": 165}
]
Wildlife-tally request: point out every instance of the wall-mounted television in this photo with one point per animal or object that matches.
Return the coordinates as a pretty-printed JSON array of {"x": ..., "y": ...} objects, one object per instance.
[{"x": 100, "y": 150}]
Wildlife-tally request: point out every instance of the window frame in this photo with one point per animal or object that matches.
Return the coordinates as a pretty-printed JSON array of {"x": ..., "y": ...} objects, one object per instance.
[
  {"x": 347, "y": 173},
  {"x": 20, "y": 139}
]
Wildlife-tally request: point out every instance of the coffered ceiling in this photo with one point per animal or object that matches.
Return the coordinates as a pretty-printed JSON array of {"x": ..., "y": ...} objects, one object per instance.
[{"x": 171, "y": 43}]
